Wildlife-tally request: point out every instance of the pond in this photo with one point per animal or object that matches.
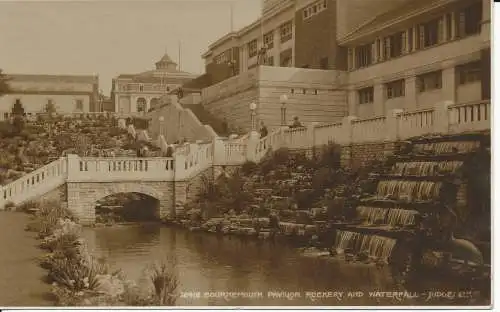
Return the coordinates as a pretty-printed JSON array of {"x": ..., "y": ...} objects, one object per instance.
[{"x": 257, "y": 273}]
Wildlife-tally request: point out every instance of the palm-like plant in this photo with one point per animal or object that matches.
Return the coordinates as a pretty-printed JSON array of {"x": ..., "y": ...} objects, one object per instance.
[{"x": 165, "y": 285}]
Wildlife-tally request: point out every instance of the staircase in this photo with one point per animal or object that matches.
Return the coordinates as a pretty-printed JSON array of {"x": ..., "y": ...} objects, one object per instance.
[
  {"x": 207, "y": 118},
  {"x": 35, "y": 184}
]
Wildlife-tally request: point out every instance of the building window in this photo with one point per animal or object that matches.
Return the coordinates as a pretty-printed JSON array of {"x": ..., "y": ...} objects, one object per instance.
[
  {"x": 314, "y": 9},
  {"x": 410, "y": 39},
  {"x": 429, "y": 81},
  {"x": 393, "y": 45},
  {"x": 448, "y": 25},
  {"x": 269, "y": 40},
  {"x": 269, "y": 61},
  {"x": 5, "y": 115},
  {"x": 252, "y": 48},
  {"x": 428, "y": 34},
  {"x": 223, "y": 58},
  {"x": 79, "y": 104},
  {"x": 292, "y": 91},
  {"x": 303, "y": 91},
  {"x": 316, "y": 91},
  {"x": 286, "y": 58},
  {"x": 469, "y": 73},
  {"x": 469, "y": 20},
  {"x": 286, "y": 31},
  {"x": 141, "y": 88},
  {"x": 323, "y": 63},
  {"x": 395, "y": 89},
  {"x": 365, "y": 95},
  {"x": 363, "y": 55}
]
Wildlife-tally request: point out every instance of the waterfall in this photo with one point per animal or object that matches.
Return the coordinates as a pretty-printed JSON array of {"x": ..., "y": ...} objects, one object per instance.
[
  {"x": 377, "y": 247},
  {"x": 401, "y": 217},
  {"x": 425, "y": 168},
  {"x": 419, "y": 190},
  {"x": 344, "y": 239},
  {"x": 447, "y": 147},
  {"x": 371, "y": 215}
]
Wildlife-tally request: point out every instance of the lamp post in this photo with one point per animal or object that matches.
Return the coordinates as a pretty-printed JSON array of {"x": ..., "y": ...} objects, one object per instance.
[
  {"x": 283, "y": 100},
  {"x": 253, "y": 107}
]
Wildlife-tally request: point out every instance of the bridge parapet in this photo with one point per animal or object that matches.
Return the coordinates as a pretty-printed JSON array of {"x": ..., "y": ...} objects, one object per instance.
[
  {"x": 35, "y": 183},
  {"x": 119, "y": 169}
]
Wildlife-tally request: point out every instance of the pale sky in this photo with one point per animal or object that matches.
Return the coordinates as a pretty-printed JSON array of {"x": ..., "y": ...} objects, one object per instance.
[{"x": 112, "y": 37}]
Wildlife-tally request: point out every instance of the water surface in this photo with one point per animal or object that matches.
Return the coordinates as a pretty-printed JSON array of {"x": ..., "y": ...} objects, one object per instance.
[{"x": 208, "y": 263}]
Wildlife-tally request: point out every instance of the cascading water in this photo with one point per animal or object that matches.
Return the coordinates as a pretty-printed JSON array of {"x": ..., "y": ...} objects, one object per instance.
[
  {"x": 401, "y": 217},
  {"x": 447, "y": 147},
  {"x": 400, "y": 189},
  {"x": 371, "y": 215},
  {"x": 376, "y": 247},
  {"x": 425, "y": 168}
]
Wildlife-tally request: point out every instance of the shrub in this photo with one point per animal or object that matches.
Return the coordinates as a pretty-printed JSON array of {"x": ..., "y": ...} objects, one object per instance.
[
  {"x": 248, "y": 168},
  {"x": 165, "y": 285},
  {"x": 330, "y": 156},
  {"x": 323, "y": 178},
  {"x": 9, "y": 206}
]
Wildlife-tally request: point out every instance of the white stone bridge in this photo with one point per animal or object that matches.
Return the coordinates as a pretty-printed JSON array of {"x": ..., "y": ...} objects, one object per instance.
[{"x": 82, "y": 181}]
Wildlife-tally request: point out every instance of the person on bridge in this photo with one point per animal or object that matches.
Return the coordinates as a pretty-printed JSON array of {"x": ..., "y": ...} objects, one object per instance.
[
  {"x": 263, "y": 130},
  {"x": 296, "y": 123}
]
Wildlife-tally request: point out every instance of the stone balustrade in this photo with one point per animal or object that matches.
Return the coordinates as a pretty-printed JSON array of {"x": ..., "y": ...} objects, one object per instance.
[
  {"x": 235, "y": 152},
  {"x": 190, "y": 159},
  {"x": 109, "y": 169},
  {"x": 469, "y": 116},
  {"x": 368, "y": 130},
  {"x": 35, "y": 183},
  {"x": 416, "y": 123}
]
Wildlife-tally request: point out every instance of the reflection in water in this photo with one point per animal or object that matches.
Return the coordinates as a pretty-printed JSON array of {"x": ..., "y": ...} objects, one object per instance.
[{"x": 210, "y": 263}]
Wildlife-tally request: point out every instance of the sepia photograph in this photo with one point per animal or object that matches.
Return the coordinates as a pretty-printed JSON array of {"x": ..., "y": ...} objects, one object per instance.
[{"x": 245, "y": 153}]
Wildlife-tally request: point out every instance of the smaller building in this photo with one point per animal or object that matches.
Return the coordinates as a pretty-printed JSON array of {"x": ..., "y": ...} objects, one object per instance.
[
  {"x": 138, "y": 93},
  {"x": 63, "y": 94}
]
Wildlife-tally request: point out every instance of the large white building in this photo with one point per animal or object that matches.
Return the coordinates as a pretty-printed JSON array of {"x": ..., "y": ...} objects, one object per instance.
[
  {"x": 65, "y": 93},
  {"x": 138, "y": 93},
  {"x": 417, "y": 54},
  {"x": 353, "y": 57}
]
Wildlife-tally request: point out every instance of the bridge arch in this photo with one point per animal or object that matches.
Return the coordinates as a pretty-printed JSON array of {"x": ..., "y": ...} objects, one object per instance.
[{"x": 83, "y": 197}]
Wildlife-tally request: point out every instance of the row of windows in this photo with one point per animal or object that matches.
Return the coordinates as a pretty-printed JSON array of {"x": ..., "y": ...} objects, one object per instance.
[
  {"x": 452, "y": 25},
  {"x": 285, "y": 30},
  {"x": 223, "y": 58},
  {"x": 466, "y": 73},
  {"x": 269, "y": 40},
  {"x": 304, "y": 91},
  {"x": 314, "y": 9}
]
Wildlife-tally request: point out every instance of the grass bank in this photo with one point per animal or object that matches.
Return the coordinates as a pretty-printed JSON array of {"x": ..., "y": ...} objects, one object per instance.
[{"x": 77, "y": 278}]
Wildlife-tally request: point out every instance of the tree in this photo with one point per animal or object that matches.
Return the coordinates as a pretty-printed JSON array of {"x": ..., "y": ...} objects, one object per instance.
[
  {"x": 4, "y": 86},
  {"x": 18, "y": 115},
  {"x": 50, "y": 108}
]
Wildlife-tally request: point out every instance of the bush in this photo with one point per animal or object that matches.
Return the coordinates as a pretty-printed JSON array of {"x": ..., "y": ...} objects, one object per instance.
[
  {"x": 9, "y": 206},
  {"x": 248, "y": 168},
  {"x": 330, "y": 156},
  {"x": 323, "y": 178},
  {"x": 165, "y": 285}
]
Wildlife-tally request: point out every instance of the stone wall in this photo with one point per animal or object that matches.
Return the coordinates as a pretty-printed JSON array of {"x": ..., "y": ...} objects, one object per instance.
[{"x": 358, "y": 155}]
